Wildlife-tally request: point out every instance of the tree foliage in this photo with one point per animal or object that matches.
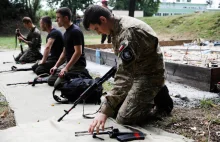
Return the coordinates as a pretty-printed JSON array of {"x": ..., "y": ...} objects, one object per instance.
[
  {"x": 73, "y": 5},
  {"x": 12, "y": 9},
  {"x": 149, "y": 7}
]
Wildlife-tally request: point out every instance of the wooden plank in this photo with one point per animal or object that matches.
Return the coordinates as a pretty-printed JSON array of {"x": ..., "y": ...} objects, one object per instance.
[
  {"x": 215, "y": 78},
  {"x": 174, "y": 42},
  {"x": 162, "y": 43},
  {"x": 190, "y": 75},
  {"x": 198, "y": 77}
]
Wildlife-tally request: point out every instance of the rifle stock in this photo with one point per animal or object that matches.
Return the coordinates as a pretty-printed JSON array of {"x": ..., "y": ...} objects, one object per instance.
[
  {"x": 37, "y": 80},
  {"x": 14, "y": 69},
  {"x": 109, "y": 74}
]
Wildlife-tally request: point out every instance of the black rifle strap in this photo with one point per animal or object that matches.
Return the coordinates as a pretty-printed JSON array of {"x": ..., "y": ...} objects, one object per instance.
[{"x": 86, "y": 116}]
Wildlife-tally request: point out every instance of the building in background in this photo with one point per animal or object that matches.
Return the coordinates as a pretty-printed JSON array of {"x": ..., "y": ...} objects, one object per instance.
[
  {"x": 213, "y": 5},
  {"x": 179, "y": 7}
]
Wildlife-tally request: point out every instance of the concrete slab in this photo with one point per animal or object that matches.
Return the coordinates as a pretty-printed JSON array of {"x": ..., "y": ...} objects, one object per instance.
[{"x": 37, "y": 112}]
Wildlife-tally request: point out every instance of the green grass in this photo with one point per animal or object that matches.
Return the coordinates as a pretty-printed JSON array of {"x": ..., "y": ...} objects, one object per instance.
[
  {"x": 198, "y": 25},
  {"x": 9, "y": 41},
  {"x": 206, "y": 103},
  {"x": 3, "y": 104},
  {"x": 191, "y": 26}
]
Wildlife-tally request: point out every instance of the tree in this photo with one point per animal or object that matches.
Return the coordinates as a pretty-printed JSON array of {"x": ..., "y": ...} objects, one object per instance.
[
  {"x": 131, "y": 8},
  {"x": 31, "y": 7},
  {"x": 150, "y": 7},
  {"x": 73, "y": 5}
]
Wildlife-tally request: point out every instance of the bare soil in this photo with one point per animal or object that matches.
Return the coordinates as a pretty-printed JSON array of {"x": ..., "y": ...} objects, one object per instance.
[
  {"x": 7, "y": 118},
  {"x": 199, "y": 124}
]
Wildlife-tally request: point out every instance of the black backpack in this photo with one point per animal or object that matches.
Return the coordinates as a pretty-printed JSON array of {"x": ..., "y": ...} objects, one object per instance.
[{"x": 72, "y": 88}]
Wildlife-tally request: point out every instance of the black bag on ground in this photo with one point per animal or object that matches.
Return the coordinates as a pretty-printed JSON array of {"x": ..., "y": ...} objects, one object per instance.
[{"x": 73, "y": 88}]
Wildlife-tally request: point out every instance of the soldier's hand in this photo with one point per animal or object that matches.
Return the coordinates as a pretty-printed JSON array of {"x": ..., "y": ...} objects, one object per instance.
[
  {"x": 20, "y": 38},
  {"x": 17, "y": 32},
  {"x": 53, "y": 69},
  {"x": 98, "y": 122},
  {"x": 62, "y": 72},
  {"x": 40, "y": 62}
]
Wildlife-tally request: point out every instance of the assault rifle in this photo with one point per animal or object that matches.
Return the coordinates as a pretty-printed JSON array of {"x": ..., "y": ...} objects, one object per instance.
[
  {"x": 37, "y": 80},
  {"x": 17, "y": 34},
  {"x": 116, "y": 134},
  {"x": 85, "y": 94},
  {"x": 14, "y": 69}
]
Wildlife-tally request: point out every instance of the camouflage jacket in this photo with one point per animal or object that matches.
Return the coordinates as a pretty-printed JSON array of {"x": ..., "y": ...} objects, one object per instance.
[
  {"x": 136, "y": 45},
  {"x": 34, "y": 39}
]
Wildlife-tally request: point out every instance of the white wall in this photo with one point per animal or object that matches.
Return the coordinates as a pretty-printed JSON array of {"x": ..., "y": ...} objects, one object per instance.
[
  {"x": 215, "y": 3},
  {"x": 192, "y": 1},
  {"x": 123, "y": 12}
]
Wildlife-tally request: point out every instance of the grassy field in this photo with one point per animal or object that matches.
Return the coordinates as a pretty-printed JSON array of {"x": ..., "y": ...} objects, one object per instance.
[
  {"x": 190, "y": 26},
  {"x": 8, "y": 42}
]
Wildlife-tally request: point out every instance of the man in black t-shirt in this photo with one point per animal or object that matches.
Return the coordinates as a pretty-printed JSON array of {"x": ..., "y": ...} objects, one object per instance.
[
  {"x": 53, "y": 48},
  {"x": 73, "y": 51}
]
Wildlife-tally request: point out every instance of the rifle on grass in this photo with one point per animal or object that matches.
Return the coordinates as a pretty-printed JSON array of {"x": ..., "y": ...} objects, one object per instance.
[
  {"x": 92, "y": 87},
  {"x": 14, "y": 69},
  {"x": 38, "y": 80}
]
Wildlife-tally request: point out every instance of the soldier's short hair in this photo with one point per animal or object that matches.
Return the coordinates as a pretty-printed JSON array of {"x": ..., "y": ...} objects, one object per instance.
[
  {"x": 64, "y": 11},
  {"x": 47, "y": 20},
  {"x": 92, "y": 14},
  {"x": 26, "y": 20}
]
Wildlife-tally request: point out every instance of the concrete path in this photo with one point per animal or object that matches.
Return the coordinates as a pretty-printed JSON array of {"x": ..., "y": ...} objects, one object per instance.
[{"x": 36, "y": 112}]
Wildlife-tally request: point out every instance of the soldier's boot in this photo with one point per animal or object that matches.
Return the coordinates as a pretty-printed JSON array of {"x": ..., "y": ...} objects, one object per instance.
[
  {"x": 18, "y": 57},
  {"x": 163, "y": 101}
]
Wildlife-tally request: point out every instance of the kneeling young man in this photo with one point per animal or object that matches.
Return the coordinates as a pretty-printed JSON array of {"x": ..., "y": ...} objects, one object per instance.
[
  {"x": 140, "y": 70},
  {"x": 33, "y": 41},
  {"x": 53, "y": 48},
  {"x": 73, "y": 51}
]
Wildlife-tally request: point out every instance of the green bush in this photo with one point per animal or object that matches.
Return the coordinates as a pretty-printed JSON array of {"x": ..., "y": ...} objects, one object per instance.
[{"x": 50, "y": 13}]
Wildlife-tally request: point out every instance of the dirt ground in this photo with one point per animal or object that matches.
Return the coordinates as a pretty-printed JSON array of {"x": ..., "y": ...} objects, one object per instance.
[
  {"x": 199, "y": 124},
  {"x": 6, "y": 114}
]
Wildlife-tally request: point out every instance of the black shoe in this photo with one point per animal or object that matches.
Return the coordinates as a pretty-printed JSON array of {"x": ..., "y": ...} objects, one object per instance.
[{"x": 163, "y": 101}]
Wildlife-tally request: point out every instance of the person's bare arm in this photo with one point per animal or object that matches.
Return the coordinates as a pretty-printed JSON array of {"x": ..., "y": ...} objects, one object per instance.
[
  {"x": 47, "y": 49},
  {"x": 59, "y": 62},
  {"x": 76, "y": 55},
  {"x": 61, "y": 58}
]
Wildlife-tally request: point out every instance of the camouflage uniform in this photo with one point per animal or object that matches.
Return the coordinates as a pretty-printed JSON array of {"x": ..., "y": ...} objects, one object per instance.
[
  {"x": 140, "y": 73},
  {"x": 33, "y": 52}
]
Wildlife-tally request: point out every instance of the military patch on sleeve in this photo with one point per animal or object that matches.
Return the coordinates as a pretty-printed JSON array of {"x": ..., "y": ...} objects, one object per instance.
[{"x": 127, "y": 55}]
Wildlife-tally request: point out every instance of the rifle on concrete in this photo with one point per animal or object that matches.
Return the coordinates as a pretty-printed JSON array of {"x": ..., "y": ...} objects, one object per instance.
[
  {"x": 116, "y": 134},
  {"x": 38, "y": 80},
  {"x": 14, "y": 69},
  {"x": 92, "y": 87}
]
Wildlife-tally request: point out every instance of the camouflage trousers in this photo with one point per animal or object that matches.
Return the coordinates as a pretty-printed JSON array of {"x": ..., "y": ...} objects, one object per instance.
[
  {"x": 29, "y": 56},
  {"x": 54, "y": 79},
  {"x": 45, "y": 67},
  {"x": 139, "y": 101}
]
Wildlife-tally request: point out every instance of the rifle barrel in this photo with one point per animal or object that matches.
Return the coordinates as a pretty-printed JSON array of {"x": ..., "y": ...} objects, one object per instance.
[
  {"x": 109, "y": 74},
  {"x": 29, "y": 82}
]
